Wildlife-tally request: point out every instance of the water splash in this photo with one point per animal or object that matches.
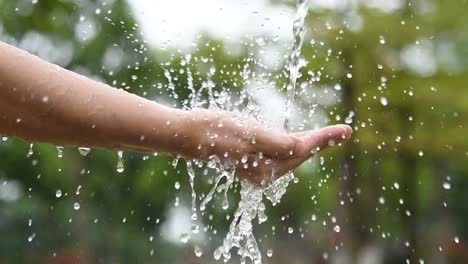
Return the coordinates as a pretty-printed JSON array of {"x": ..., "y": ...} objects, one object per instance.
[
  {"x": 240, "y": 234},
  {"x": 251, "y": 205},
  {"x": 224, "y": 171}
]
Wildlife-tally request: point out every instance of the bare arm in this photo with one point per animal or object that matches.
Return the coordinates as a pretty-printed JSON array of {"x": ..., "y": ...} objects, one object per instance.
[{"x": 42, "y": 102}]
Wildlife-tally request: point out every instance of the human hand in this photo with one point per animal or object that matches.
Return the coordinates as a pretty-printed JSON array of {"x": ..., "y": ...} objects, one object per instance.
[{"x": 261, "y": 154}]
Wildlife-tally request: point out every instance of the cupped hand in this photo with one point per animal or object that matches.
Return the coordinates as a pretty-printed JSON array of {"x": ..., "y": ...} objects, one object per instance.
[{"x": 261, "y": 154}]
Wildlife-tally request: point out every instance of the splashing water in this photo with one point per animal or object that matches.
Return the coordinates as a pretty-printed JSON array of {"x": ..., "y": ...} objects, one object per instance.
[{"x": 251, "y": 205}]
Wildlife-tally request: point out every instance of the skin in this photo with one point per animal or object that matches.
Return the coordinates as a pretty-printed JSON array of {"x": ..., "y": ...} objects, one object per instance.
[{"x": 42, "y": 102}]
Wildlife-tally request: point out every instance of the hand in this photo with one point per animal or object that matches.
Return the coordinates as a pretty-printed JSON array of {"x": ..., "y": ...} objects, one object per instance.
[{"x": 260, "y": 154}]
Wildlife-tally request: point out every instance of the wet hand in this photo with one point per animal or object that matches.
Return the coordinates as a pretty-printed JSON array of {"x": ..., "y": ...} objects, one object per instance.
[{"x": 260, "y": 154}]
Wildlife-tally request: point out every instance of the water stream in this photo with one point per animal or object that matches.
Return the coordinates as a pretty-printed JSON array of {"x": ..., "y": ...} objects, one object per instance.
[{"x": 251, "y": 205}]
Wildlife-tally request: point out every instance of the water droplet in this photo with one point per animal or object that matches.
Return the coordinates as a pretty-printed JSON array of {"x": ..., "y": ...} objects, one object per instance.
[
  {"x": 337, "y": 228},
  {"x": 84, "y": 150},
  {"x": 255, "y": 163},
  {"x": 120, "y": 165},
  {"x": 184, "y": 238},
  {"x": 382, "y": 40},
  {"x": 76, "y": 206},
  {"x": 270, "y": 252},
  {"x": 262, "y": 217},
  {"x": 225, "y": 204},
  {"x": 244, "y": 159},
  {"x": 30, "y": 151},
  {"x": 198, "y": 251},
  {"x": 177, "y": 185},
  {"x": 421, "y": 153},
  {"x": 260, "y": 41},
  {"x": 58, "y": 193},
  {"x": 396, "y": 185},
  {"x": 381, "y": 200},
  {"x": 134, "y": 77},
  {"x": 59, "y": 151},
  {"x": 175, "y": 161},
  {"x": 31, "y": 237},
  {"x": 290, "y": 230},
  {"x": 447, "y": 185},
  {"x": 195, "y": 228},
  {"x": 78, "y": 189},
  {"x": 456, "y": 239},
  {"x": 383, "y": 101}
]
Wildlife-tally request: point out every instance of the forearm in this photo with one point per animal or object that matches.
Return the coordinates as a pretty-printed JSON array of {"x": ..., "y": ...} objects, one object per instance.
[{"x": 40, "y": 101}]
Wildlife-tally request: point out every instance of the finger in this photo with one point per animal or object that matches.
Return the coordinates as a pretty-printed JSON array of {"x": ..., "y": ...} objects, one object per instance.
[
  {"x": 323, "y": 138},
  {"x": 302, "y": 133},
  {"x": 272, "y": 142}
]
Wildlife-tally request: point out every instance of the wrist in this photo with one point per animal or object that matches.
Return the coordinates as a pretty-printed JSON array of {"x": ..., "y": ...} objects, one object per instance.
[
  {"x": 175, "y": 131},
  {"x": 191, "y": 131}
]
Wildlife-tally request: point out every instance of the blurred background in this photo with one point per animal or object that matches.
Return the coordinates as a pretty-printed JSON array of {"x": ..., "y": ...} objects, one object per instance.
[{"x": 395, "y": 70}]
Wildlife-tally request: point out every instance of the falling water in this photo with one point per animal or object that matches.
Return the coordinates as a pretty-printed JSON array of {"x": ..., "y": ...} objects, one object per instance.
[
  {"x": 251, "y": 205},
  {"x": 194, "y": 216},
  {"x": 298, "y": 31}
]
